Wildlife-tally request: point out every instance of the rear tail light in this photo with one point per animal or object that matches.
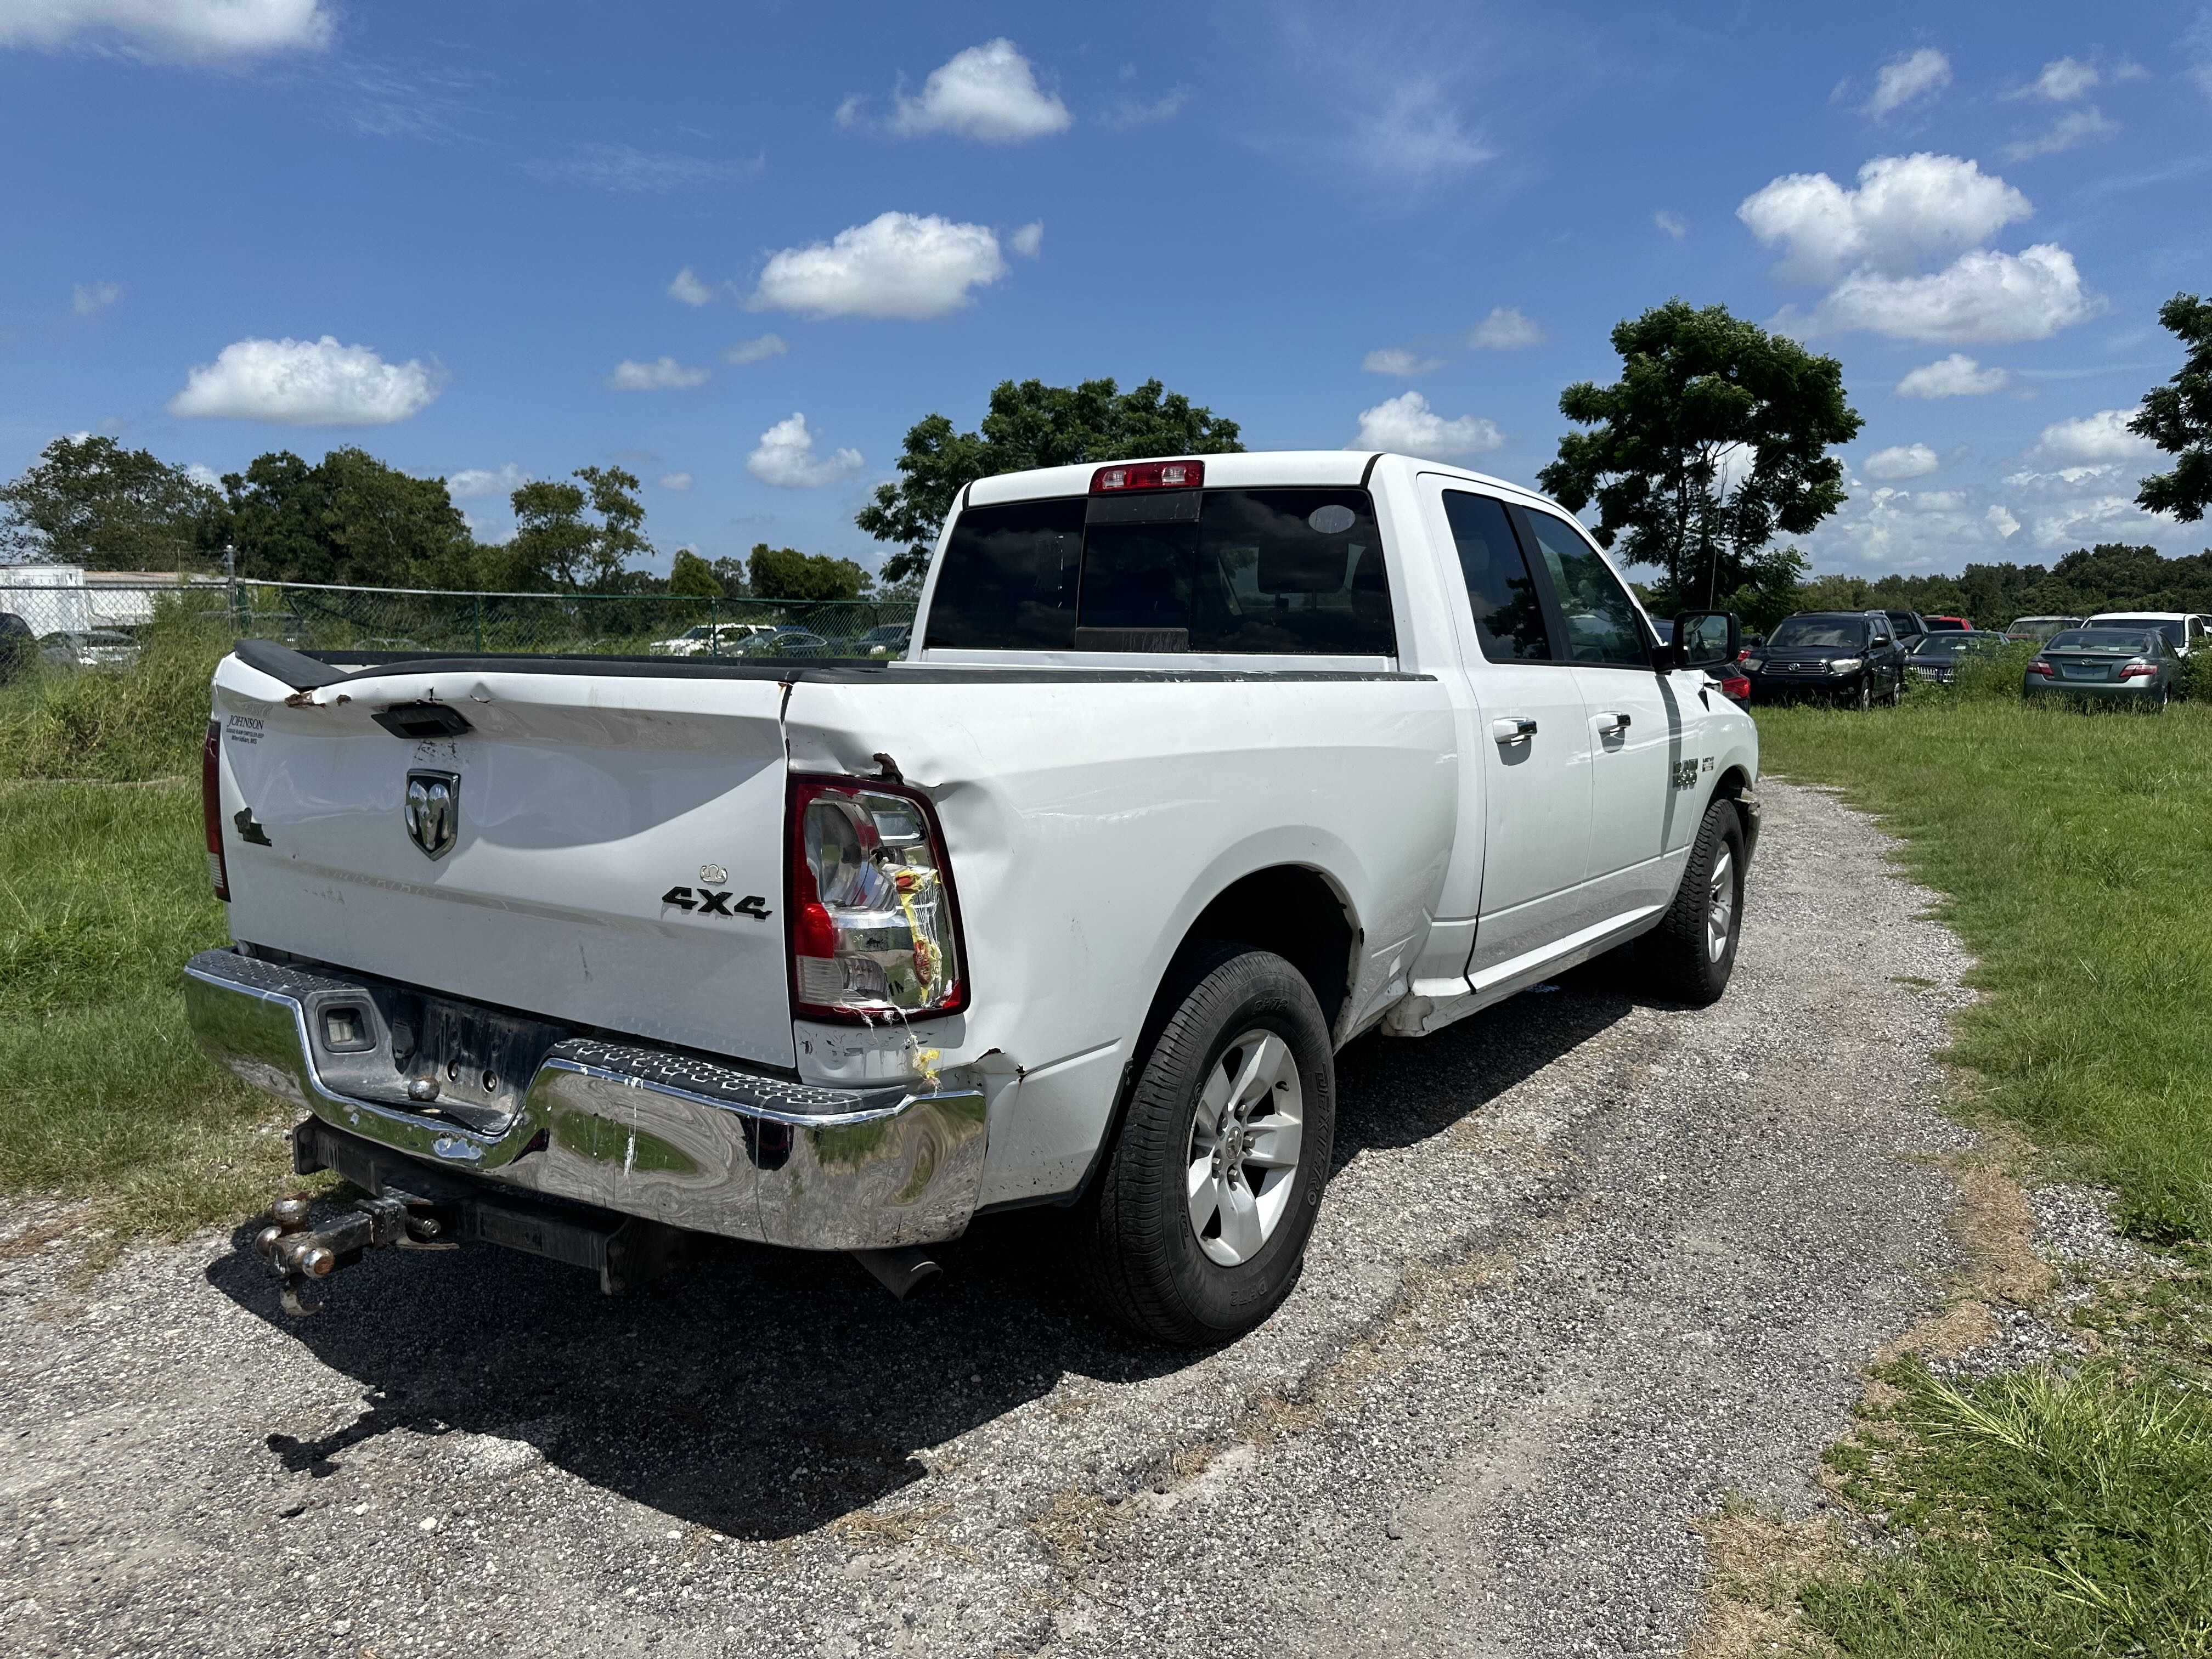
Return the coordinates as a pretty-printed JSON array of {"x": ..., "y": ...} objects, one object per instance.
[
  {"x": 2128, "y": 670},
  {"x": 1148, "y": 475},
  {"x": 875, "y": 926},
  {"x": 211, "y": 808},
  {"x": 1737, "y": 686},
  {"x": 2040, "y": 666}
]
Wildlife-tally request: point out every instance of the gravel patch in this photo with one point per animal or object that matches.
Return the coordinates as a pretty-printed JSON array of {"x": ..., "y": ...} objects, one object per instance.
[{"x": 1590, "y": 1265}]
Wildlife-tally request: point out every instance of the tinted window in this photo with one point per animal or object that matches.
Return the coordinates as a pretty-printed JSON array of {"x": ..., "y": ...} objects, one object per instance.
[
  {"x": 1819, "y": 632},
  {"x": 1508, "y": 619},
  {"x": 2171, "y": 627},
  {"x": 1292, "y": 571},
  {"x": 2101, "y": 638},
  {"x": 1009, "y": 578},
  {"x": 1603, "y": 623}
]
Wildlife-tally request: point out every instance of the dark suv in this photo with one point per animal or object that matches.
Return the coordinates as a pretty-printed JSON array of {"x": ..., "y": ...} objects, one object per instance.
[
  {"x": 1909, "y": 626},
  {"x": 1851, "y": 656}
]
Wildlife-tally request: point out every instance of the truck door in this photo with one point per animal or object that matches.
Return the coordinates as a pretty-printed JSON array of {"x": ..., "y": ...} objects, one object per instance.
[
  {"x": 1534, "y": 742},
  {"x": 1639, "y": 742}
]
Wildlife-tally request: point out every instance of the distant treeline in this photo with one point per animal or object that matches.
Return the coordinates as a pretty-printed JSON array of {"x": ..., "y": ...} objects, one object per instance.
[
  {"x": 2109, "y": 576},
  {"x": 351, "y": 519}
]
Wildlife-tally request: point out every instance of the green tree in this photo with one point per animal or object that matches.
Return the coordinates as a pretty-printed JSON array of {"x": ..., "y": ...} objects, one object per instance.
[
  {"x": 88, "y": 500},
  {"x": 1029, "y": 424},
  {"x": 730, "y": 572},
  {"x": 556, "y": 546},
  {"x": 2178, "y": 416},
  {"x": 692, "y": 577},
  {"x": 1714, "y": 437},
  {"x": 785, "y": 572},
  {"x": 348, "y": 518}
]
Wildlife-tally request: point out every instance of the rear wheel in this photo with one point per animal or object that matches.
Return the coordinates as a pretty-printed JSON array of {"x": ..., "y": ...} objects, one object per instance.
[
  {"x": 1195, "y": 1230},
  {"x": 1689, "y": 956},
  {"x": 1897, "y": 689}
]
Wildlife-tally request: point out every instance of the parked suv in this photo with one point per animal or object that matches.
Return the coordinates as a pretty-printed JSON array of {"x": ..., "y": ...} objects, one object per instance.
[
  {"x": 1851, "y": 656},
  {"x": 1906, "y": 626}
]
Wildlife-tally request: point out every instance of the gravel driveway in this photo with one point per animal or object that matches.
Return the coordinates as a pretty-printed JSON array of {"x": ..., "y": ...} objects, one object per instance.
[{"x": 1589, "y": 1266}]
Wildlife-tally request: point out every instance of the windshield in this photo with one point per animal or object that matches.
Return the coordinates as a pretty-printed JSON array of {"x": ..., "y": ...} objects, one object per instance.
[
  {"x": 2100, "y": 639},
  {"x": 1819, "y": 631},
  {"x": 2175, "y": 629}
]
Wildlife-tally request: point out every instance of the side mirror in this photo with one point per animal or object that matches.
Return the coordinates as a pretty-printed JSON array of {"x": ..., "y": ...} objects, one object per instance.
[{"x": 1705, "y": 639}]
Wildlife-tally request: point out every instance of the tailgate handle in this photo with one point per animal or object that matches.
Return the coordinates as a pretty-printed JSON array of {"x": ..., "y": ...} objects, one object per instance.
[{"x": 417, "y": 721}]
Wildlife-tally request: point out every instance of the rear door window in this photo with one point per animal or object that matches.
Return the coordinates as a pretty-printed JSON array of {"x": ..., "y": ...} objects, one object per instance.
[
  {"x": 1294, "y": 571},
  {"x": 1603, "y": 624},
  {"x": 1509, "y": 615}
]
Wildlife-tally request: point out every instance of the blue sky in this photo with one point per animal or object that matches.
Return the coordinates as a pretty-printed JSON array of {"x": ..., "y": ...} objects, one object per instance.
[{"x": 740, "y": 248}]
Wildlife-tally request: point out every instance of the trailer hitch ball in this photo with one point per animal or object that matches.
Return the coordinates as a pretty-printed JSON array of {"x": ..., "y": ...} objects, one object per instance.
[
  {"x": 311, "y": 1258},
  {"x": 289, "y": 1213}
]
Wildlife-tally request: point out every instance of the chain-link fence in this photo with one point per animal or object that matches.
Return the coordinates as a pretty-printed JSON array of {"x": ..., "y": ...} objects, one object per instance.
[{"x": 89, "y": 621}]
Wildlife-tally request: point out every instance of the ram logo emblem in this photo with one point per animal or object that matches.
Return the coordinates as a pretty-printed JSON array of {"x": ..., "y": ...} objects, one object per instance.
[{"x": 432, "y": 810}]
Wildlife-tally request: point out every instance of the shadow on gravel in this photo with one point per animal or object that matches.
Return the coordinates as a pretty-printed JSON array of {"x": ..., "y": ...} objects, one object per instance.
[{"x": 767, "y": 1393}]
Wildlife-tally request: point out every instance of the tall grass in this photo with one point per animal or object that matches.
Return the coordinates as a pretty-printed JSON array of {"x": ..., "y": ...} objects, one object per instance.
[
  {"x": 103, "y": 1093},
  {"x": 2076, "y": 853},
  {"x": 118, "y": 724}
]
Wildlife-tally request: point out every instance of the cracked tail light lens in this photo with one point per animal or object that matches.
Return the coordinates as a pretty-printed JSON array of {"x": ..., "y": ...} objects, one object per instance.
[
  {"x": 875, "y": 926},
  {"x": 211, "y": 808}
]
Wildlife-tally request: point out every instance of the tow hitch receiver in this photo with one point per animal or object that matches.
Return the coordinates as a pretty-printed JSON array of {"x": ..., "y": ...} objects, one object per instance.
[
  {"x": 305, "y": 1257},
  {"x": 413, "y": 1208}
]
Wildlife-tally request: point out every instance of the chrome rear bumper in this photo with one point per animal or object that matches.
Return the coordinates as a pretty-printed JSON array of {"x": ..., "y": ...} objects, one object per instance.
[{"x": 643, "y": 1131}]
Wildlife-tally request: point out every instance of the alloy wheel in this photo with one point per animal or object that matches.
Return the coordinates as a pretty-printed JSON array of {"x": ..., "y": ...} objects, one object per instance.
[
  {"x": 1720, "y": 905},
  {"x": 1245, "y": 1141}
]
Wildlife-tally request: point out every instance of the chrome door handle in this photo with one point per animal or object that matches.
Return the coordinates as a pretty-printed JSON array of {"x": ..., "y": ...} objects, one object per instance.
[
  {"x": 1519, "y": 728},
  {"x": 1613, "y": 722}
]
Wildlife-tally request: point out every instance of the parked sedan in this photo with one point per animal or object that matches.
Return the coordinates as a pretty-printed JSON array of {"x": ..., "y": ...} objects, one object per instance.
[
  {"x": 785, "y": 642},
  {"x": 1938, "y": 655},
  {"x": 2104, "y": 665},
  {"x": 1846, "y": 656}
]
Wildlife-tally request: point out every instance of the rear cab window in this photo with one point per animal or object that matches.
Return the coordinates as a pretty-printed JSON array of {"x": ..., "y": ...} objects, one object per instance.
[{"x": 1292, "y": 571}]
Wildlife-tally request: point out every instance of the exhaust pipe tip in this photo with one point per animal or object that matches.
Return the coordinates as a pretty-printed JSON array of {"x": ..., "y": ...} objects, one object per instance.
[{"x": 906, "y": 1273}]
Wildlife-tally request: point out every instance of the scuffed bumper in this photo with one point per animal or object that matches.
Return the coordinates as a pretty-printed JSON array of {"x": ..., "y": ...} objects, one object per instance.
[{"x": 643, "y": 1131}]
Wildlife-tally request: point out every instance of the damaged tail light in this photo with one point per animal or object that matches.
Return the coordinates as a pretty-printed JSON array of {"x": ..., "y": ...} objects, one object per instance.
[
  {"x": 875, "y": 928},
  {"x": 211, "y": 808}
]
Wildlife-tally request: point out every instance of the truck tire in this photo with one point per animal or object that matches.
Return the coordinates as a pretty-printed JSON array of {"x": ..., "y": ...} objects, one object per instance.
[
  {"x": 1689, "y": 954},
  {"x": 1196, "y": 1228}
]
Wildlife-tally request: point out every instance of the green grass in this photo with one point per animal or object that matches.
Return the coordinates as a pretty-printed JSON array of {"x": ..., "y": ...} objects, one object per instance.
[
  {"x": 2076, "y": 853},
  {"x": 2047, "y": 1514},
  {"x": 2053, "y": 1510},
  {"x": 129, "y": 725},
  {"x": 103, "y": 1093}
]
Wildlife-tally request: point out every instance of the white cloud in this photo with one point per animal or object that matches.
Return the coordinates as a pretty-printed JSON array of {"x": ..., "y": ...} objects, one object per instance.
[
  {"x": 2196, "y": 41},
  {"x": 2075, "y": 126},
  {"x": 1029, "y": 241},
  {"x": 661, "y": 374},
  {"x": 897, "y": 264},
  {"x": 1407, "y": 423},
  {"x": 1985, "y": 298},
  {"x": 175, "y": 30},
  {"x": 849, "y": 113},
  {"x": 785, "y": 458},
  {"x": 2065, "y": 79},
  {"x": 1900, "y": 461},
  {"x": 1128, "y": 114},
  {"x": 752, "y": 351},
  {"x": 1410, "y": 131},
  {"x": 988, "y": 92},
  {"x": 201, "y": 473},
  {"x": 1955, "y": 376},
  {"x": 1503, "y": 330},
  {"x": 473, "y": 480},
  {"x": 676, "y": 480},
  {"x": 305, "y": 383},
  {"x": 2090, "y": 440},
  {"x": 1673, "y": 223},
  {"x": 86, "y": 298},
  {"x": 1906, "y": 208},
  {"x": 690, "y": 289},
  {"x": 1399, "y": 361},
  {"x": 1908, "y": 79},
  {"x": 2001, "y": 521},
  {"x": 625, "y": 166}
]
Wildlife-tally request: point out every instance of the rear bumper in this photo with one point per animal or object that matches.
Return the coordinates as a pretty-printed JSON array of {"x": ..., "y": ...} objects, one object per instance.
[
  {"x": 2136, "y": 691},
  {"x": 640, "y": 1130}
]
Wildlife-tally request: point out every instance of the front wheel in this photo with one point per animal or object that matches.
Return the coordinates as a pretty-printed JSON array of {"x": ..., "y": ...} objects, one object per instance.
[
  {"x": 1863, "y": 699},
  {"x": 1195, "y": 1230},
  {"x": 1689, "y": 956}
]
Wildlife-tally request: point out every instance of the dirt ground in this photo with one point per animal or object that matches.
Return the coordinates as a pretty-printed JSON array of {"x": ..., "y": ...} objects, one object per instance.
[{"x": 1589, "y": 1267}]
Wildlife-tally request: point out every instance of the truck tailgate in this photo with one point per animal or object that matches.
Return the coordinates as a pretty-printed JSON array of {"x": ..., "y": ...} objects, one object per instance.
[{"x": 616, "y": 856}]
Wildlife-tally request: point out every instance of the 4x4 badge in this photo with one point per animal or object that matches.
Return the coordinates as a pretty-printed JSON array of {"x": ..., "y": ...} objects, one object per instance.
[
  {"x": 707, "y": 902},
  {"x": 432, "y": 810}
]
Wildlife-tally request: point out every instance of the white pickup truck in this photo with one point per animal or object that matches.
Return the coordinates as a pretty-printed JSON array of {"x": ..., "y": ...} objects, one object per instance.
[{"x": 1194, "y": 771}]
